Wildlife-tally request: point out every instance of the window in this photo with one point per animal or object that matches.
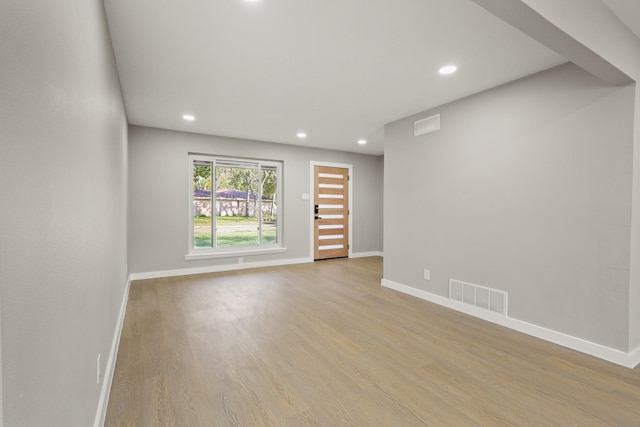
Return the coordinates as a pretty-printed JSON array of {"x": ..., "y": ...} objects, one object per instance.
[{"x": 234, "y": 206}]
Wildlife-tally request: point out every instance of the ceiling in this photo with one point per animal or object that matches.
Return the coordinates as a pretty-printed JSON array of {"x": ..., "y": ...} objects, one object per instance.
[
  {"x": 628, "y": 11},
  {"x": 338, "y": 70}
]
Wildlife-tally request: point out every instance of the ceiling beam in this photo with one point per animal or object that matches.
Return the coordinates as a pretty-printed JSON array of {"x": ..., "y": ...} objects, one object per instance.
[{"x": 526, "y": 19}]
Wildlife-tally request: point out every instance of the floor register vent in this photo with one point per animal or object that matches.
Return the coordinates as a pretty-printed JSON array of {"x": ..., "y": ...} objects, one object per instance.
[{"x": 479, "y": 296}]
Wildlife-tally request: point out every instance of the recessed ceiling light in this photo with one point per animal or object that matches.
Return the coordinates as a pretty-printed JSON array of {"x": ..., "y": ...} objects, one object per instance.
[
  {"x": 362, "y": 141},
  {"x": 448, "y": 69},
  {"x": 188, "y": 117},
  {"x": 301, "y": 135}
]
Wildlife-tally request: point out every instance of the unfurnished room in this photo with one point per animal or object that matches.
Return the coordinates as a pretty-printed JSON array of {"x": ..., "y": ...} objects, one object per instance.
[{"x": 319, "y": 213}]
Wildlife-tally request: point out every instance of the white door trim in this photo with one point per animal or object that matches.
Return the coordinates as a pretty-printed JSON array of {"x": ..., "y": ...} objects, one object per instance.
[{"x": 312, "y": 197}]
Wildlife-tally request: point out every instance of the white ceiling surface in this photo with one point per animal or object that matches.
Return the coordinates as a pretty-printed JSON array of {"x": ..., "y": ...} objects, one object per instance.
[
  {"x": 338, "y": 70},
  {"x": 628, "y": 11}
]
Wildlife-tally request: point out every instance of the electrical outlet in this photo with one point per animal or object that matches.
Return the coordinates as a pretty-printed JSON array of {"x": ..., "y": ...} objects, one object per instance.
[
  {"x": 240, "y": 260},
  {"x": 427, "y": 275},
  {"x": 98, "y": 369}
]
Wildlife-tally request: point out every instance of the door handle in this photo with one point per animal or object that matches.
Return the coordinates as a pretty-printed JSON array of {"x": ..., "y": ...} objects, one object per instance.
[{"x": 317, "y": 217}]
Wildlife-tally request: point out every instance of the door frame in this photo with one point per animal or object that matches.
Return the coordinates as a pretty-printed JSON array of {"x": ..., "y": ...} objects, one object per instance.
[{"x": 312, "y": 195}]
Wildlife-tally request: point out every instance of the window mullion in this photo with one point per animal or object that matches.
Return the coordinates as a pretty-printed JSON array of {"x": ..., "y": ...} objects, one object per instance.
[
  {"x": 259, "y": 205},
  {"x": 214, "y": 208}
]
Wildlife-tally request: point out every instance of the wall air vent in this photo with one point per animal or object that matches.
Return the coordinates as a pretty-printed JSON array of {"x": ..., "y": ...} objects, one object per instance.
[
  {"x": 430, "y": 124},
  {"x": 479, "y": 296}
]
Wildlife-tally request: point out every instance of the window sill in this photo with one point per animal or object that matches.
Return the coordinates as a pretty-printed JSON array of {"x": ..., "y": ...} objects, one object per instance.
[{"x": 232, "y": 253}]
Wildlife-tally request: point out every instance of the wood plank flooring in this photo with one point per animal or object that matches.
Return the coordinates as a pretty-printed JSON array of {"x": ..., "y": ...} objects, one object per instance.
[{"x": 324, "y": 344}]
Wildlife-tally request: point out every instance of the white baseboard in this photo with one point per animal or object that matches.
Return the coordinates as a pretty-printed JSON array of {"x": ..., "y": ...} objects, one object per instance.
[
  {"x": 365, "y": 254},
  {"x": 629, "y": 360},
  {"x": 107, "y": 379},
  {"x": 635, "y": 357},
  {"x": 217, "y": 268}
]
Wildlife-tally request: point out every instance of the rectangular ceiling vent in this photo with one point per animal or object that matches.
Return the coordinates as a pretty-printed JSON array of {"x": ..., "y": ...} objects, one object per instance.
[
  {"x": 430, "y": 124},
  {"x": 479, "y": 296}
]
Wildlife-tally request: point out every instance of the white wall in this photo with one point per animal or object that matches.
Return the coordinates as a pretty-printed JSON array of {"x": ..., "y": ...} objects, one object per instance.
[
  {"x": 63, "y": 197},
  {"x": 159, "y": 207},
  {"x": 527, "y": 189}
]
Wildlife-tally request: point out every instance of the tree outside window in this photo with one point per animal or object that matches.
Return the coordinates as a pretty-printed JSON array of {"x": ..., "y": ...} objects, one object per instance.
[{"x": 234, "y": 203}]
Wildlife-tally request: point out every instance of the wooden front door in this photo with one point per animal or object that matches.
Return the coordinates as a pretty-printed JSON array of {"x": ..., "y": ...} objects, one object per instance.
[{"x": 331, "y": 213}]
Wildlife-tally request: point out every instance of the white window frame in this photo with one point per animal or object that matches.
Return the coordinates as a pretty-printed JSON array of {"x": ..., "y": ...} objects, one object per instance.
[{"x": 194, "y": 253}]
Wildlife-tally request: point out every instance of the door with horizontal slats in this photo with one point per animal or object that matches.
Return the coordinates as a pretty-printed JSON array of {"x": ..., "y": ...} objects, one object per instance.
[{"x": 331, "y": 213}]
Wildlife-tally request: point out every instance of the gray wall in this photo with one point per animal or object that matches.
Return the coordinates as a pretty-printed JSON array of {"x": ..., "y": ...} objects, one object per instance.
[
  {"x": 634, "y": 286},
  {"x": 63, "y": 197},
  {"x": 380, "y": 219},
  {"x": 614, "y": 42},
  {"x": 159, "y": 207},
  {"x": 527, "y": 189}
]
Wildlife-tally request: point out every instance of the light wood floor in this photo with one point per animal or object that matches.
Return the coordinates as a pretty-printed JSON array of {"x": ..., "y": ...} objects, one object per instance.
[{"x": 324, "y": 344}]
